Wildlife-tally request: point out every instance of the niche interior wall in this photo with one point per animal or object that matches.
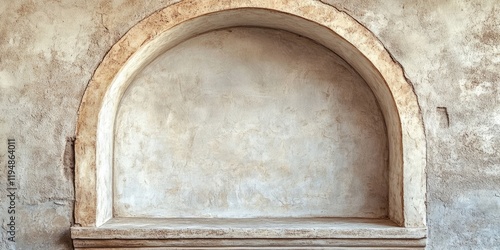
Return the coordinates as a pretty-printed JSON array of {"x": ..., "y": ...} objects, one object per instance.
[{"x": 249, "y": 123}]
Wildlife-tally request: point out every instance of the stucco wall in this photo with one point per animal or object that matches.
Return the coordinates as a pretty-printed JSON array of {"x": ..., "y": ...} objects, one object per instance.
[
  {"x": 250, "y": 122},
  {"x": 450, "y": 52}
]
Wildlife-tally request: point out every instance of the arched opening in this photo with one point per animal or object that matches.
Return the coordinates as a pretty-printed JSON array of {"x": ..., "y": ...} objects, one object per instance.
[
  {"x": 96, "y": 148},
  {"x": 249, "y": 122}
]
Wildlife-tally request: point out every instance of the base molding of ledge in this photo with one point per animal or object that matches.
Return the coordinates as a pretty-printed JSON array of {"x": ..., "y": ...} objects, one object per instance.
[
  {"x": 271, "y": 233},
  {"x": 251, "y": 244}
]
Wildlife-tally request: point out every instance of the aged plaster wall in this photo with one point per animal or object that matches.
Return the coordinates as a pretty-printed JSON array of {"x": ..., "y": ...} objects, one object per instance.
[
  {"x": 249, "y": 122},
  {"x": 450, "y": 51}
]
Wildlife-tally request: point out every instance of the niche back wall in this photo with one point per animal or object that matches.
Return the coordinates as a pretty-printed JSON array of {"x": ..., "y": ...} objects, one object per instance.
[{"x": 249, "y": 122}]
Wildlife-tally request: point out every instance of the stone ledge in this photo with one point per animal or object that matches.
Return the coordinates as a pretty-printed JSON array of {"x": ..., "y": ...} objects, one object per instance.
[{"x": 295, "y": 233}]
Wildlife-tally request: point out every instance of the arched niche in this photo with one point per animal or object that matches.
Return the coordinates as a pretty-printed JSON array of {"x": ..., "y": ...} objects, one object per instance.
[
  {"x": 248, "y": 122},
  {"x": 152, "y": 37}
]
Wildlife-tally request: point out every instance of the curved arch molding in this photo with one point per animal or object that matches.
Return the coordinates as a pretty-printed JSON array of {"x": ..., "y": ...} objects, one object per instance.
[{"x": 310, "y": 18}]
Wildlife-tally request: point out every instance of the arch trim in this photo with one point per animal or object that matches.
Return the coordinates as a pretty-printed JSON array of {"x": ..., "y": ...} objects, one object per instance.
[{"x": 321, "y": 22}]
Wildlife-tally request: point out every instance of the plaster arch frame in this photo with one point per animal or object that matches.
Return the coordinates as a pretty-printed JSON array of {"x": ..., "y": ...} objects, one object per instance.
[{"x": 313, "y": 19}]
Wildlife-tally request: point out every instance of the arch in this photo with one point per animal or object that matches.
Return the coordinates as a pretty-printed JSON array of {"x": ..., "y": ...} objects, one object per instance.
[
  {"x": 249, "y": 122},
  {"x": 313, "y": 19}
]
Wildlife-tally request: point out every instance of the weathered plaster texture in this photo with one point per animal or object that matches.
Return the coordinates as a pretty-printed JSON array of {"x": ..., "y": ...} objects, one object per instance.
[
  {"x": 450, "y": 51},
  {"x": 48, "y": 52},
  {"x": 248, "y": 122},
  {"x": 178, "y": 22}
]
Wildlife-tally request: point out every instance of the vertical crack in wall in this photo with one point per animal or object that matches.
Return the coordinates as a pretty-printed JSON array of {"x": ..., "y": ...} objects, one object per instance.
[
  {"x": 69, "y": 164},
  {"x": 69, "y": 158}
]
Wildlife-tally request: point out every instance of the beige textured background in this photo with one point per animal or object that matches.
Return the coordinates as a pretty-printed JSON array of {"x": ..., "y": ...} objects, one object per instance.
[
  {"x": 450, "y": 52},
  {"x": 248, "y": 122}
]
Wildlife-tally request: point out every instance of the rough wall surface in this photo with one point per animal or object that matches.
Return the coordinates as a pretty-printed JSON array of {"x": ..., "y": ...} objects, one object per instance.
[
  {"x": 249, "y": 122},
  {"x": 450, "y": 52}
]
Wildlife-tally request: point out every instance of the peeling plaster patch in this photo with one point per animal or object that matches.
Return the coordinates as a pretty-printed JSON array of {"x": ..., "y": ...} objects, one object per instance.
[
  {"x": 69, "y": 158},
  {"x": 444, "y": 119}
]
